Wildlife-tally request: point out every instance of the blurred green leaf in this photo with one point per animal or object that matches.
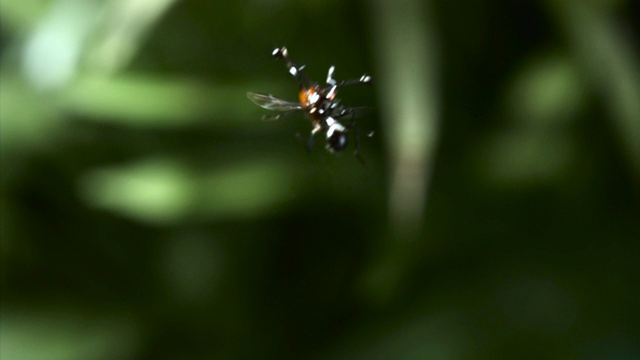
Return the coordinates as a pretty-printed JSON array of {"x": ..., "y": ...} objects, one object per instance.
[
  {"x": 523, "y": 157},
  {"x": 547, "y": 92},
  {"x": 60, "y": 335},
  {"x": 21, "y": 15},
  {"x": 420, "y": 337},
  {"x": 610, "y": 62},
  {"x": 146, "y": 101},
  {"x": 244, "y": 190},
  {"x": 164, "y": 191},
  {"x": 29, "y": 119},
  {"x": 158, "y": 191}
]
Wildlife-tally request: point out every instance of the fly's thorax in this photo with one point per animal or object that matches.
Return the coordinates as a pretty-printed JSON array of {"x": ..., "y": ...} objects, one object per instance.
[
  {"x": 309, "y": 97},
  {"x": 315, "y": 103}
]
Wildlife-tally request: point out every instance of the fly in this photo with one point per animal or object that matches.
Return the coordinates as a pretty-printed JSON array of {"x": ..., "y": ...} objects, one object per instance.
[{"x": 319, "y": 102}]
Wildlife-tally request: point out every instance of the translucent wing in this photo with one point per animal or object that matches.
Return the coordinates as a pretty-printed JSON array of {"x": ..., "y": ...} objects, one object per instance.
[
  {"x": 270, "y": 102},
  {"x": 279, "y": 116}
]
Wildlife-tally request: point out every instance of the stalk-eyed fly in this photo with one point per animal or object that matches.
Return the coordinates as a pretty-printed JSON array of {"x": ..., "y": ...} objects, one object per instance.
[{"x": 319, "y": 102}]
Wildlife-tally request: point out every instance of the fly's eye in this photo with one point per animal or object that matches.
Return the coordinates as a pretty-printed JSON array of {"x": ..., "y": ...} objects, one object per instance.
[
  {"x": 337, "y": 141},
  {"x": 279, "y": 52}
]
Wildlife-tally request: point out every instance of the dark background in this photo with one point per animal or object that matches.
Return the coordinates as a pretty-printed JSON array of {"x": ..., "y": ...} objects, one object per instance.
[{"x": 148, "y": 213}]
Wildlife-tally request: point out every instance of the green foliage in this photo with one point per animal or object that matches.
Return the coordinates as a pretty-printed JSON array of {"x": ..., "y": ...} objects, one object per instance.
[{"x": 147, "y": 213}]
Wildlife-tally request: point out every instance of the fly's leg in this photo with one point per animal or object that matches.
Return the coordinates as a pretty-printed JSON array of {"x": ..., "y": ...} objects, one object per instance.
[
  {"x": 314, "y": 131},
  {"x": 308, "y": 143},
  {"x": 350, "y": 114},
  {"x": 364, "y": 79},
  {"x": 295, "y": 70},
  {"x": 279, "y": 116}
]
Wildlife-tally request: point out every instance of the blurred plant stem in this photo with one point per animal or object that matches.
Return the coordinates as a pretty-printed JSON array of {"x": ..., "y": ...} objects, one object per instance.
[
  {"x": 74, "y": 36},
  {"x": 406, "y": 81},
  {"x": 610, "y": 64},
  {"x": 407, "y": 62},
  {"x": 125, "y": 26}
]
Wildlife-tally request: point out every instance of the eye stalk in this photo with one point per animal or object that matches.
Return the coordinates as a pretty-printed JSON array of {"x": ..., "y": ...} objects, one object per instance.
[
  {"x": 279, "y": 52},
  {"x": 336, "y": 141}
]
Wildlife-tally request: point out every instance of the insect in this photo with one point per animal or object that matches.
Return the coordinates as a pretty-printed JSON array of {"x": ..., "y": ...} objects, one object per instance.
[{"x": 319, "y": 102}]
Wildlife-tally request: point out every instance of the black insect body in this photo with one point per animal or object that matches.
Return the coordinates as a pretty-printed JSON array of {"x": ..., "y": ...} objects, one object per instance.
[{"x": 319, "y": 102}]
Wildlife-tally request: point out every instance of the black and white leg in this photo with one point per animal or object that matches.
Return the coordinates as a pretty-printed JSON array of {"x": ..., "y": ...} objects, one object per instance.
[
  {"x": 364, "y": 79},
  {"x": 314, "y": 131},
  {"x": 295, "y": 70},
  {"x": 308, "y": 143},
  {"x": 349, "y": 114}
]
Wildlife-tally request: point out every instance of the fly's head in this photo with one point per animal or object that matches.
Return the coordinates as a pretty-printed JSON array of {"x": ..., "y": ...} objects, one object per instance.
[{"x": 279, "y": 52}]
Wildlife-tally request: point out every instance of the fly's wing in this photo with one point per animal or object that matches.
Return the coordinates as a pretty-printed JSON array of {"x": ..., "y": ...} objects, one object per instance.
[
  {"x": 278, "y": 116},
  {"x": 270, "y": 102}
]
